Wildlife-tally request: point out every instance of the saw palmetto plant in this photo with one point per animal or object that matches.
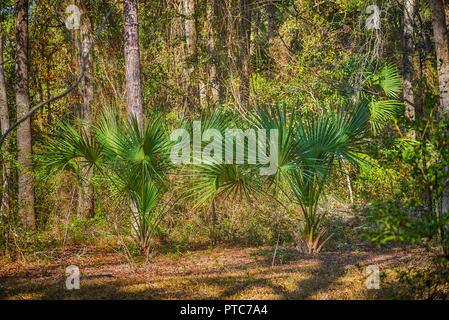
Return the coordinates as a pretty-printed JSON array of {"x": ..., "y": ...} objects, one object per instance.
[
  {"x": 379, "y": 88},
  {"x": 132, "y": 159},
  {"x": 208, "y": 181},
  {"x": 324, "y": 140},
  {"x": 309, "y": 149},
  {"x": 382, "y": 91}
]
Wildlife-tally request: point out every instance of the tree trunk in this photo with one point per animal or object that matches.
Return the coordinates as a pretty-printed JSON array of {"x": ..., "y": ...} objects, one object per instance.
[
  {"x": 213, "y": 214},
  {"x": 132, "y": 60},
  {"x": 193, "y": 90},
  {"x": 440, "y": 34},
  {"x": 25, "y": 176},
  {"x": 86, "y": 196},
  {"x": 407, "y": 59},
  {"x": 220, "y": 32},
  {"x": 212, "y": 52},
  {"x": 4, "y": 125},
  {"x": 446, "y": 5},
  {"x": 271, "y": 22},
  {"x": 132, "y": 75},
  {"x": 441, "y": 39},
  {"x": 245, "y": 67}
]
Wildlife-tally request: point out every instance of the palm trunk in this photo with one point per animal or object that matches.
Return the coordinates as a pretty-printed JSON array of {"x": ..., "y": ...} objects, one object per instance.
[
  {"x": 348, "y": 182},
  {"x": 86, "y": 196},
  {"x": 407, "y": 59},
  {"x": 4, "y": 125},
  {"x": 214, "y": 222},
  {"x": 25, "y": 176},
  {"x": 132, "y": 60}
]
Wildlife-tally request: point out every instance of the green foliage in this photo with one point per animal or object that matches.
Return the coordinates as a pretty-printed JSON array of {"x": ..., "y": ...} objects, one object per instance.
[
  {"x": 323, "y": 141},
  {"x": 308, "y": 149},
  {"x": 430, "y": 283},
  {"x": 425, "y": 160},
  {"x": 86, "y": 231},
  {"x": 209, "y": 180},
  {"x": 132, "y": 160},
  {"x": 376, "y": 179},
  {"x": 393, "y": 222},
  {"x": 380, "y": 90}
]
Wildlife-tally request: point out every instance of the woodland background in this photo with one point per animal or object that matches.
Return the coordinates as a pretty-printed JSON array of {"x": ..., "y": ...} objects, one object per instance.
[{"x": 180, "y": 59}]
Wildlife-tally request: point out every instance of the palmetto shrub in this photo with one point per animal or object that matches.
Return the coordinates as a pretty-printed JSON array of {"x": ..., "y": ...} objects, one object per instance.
[
  {"x": 380, "y": 89},
  {"x": 131, "y": 158},
  {"x": 209, "y": 181},
  {"x": 309, "y": 149}
]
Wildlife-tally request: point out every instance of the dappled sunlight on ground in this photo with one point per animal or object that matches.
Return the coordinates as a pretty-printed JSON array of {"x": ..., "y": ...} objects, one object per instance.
[{"x": 218, "y": 273}]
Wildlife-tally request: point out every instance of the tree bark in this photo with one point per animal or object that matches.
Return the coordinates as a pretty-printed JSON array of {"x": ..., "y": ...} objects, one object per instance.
[
  {"x": 271, "y": 9},
  {"x": 220, "y": 32},
  {"x": 245, "y": 67},
  {"x": 193, "y": 90},
  {"x": 441, "y": 39},
  {"x": 132, "y": 60},
  {"x": 213, "y": 214},
  {"x": 4, "y": 124},
  {"x": 446, "y": 5},
  {"x": 407, "y": 59},
  {"x": 440, "y": 34},
  {"x": 133, "y": 80},
  {"x": 86, "y": 194},
  {"x": 25, "y": 176},
  {"x": 212, "y": 52}
]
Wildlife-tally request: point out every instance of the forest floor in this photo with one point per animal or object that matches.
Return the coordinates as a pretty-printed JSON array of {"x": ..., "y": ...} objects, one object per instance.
[{"x": 211, "y": 273}]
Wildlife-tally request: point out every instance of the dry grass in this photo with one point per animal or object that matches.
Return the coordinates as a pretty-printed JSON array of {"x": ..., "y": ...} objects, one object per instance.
[{"x": 219, "y": 273}]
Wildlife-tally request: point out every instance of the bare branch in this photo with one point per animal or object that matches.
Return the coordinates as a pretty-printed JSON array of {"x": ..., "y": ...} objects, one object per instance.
[{"x": 70, "y": 88}]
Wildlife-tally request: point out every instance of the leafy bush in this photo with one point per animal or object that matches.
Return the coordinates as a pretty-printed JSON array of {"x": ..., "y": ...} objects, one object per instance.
[
  {"x": 393, "y": 222},
  {"x": 132, "y": 159}
]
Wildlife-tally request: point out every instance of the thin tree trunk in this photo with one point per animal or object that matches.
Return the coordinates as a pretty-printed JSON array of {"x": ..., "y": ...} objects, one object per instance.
[
  {"x": 193, "y": 90},
  {"x": 446, "y": 5},
  {"x": 407, "y": 59},
  {"x": 86, "y": 194},
  {"x": 214, "y": 222},
  {"x": 25, "y": 176},
  {"x": 245, "y": 37},
  {"x": 212, "y": 52},
  {"x": 348, "y": 182},
  {"x": 441, "y": 38},
  {"x": 271, "y": 9},
  {"x": 132, "y": 60},
  {"x": 220, "y": 33},
  {"x": 4, "y": 124},
  {"x": 133, "y": 81},
  {"x": 440, "y": 34}
]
